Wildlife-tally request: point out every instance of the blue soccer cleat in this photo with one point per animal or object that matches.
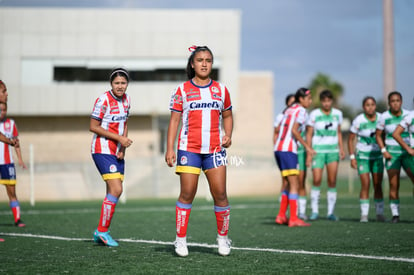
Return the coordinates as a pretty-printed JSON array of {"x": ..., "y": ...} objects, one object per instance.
[
  {"x": 314, "y": 216},
  {"x": 332, "y": 217},
  {"x": 104, "y": 237}
]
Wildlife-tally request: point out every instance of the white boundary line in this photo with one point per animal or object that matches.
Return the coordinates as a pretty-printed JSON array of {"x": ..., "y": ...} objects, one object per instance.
[
  {"x": 161, "y": 208},
  {"x": 151, "y": 209},
  {"x": 271, "y": 250}
]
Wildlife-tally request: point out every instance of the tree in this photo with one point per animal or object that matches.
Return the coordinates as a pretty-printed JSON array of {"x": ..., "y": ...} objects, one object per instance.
[{"x": 323, "y": 82}]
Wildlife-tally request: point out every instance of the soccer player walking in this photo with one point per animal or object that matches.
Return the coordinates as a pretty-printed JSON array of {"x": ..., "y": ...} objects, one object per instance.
[
  {"x": 323, "y": 133},
  {"x": 287, "y": 158},
  {"x": 204, "y": 107},
  {"x": 395, "y": 155},
  {"x": 367, "y": 158},
  {"x": 109, "y": 125}
]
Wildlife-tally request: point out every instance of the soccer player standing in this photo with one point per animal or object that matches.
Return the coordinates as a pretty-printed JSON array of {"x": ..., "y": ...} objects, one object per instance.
[
  {"x": 395, "y": 155},
  {"x": 7, "y": 169},
  {"x": 204, "y": 107},
  {"x": 368, "y": 158},
  {"x": 109, "y": 125},
  {"x": 9, "y": 137},
  {"x": 323, "y": 133},
  {"x": 286, "y": 155}
]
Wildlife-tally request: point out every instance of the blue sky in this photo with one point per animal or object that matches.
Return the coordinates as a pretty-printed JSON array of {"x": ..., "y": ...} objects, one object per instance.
[{"x": 295, "y": 39}]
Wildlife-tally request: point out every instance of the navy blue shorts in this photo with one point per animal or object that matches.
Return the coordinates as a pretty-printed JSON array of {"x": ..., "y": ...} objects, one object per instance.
[
  {"x": 8, "y": 174},
  {"x": 287, "y": 162},
  {"x": 192, "y": 163},
  {"x": 109, "y": 166}
]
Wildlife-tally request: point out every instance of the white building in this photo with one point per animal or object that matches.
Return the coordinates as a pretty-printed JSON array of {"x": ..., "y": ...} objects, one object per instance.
[{"x": 56, "y": 62}]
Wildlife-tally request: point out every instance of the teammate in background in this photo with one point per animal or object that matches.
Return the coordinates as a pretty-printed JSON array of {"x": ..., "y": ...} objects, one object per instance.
[
  {"x": 286, "y": 157},
  {"x": 290, "y": 99},
  {"x": 367, "y": 158},
  {"x": 323, "y": 133},
  {"x": 395, "y": 155},
  {"x": 109, "y": 125},
  {"x": 7, "y": 169},
  {"x": 284, "y": 191},
  {"x": 203, "y": 105}
]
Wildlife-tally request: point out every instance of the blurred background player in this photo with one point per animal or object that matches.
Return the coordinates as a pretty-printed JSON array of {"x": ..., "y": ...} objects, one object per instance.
[
  {"x": 7, "y": 169},
  {"x": 367, "y": 157},
  {"x": 203, "y": 105},
  {"x": 323, "y": 133},
  {"x": 395, "y": 155},
  {"x": 406, "y": 124},
  {"x": 109, "y": 125},
  {"x": 3, "y": 98},
  {"x": 286, "y": 154},
  {"x": 284, "y": 192}
]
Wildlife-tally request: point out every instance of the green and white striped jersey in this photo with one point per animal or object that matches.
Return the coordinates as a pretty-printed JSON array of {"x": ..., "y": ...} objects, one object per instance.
[
  {"x": 387, "y": 123},
  {"x": 325, "y": 130},
  {"x": 408, "y": 123},
  {"x": 367, "y": 146}
]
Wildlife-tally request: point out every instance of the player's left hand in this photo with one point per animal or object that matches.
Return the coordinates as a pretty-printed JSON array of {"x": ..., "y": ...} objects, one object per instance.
[
  {"x": 226, "y": 142},
  {"x": 22, "y": 165},
  {"x": 120, "y": 155}
]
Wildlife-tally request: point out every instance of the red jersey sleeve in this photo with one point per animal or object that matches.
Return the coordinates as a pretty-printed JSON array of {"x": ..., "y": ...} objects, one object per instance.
[
  {"x": 99, "y": 109},
  {"x": 227, "y": 100},
  {"x": 15, "y": 132},
  {"x": 176, "y": 102}
]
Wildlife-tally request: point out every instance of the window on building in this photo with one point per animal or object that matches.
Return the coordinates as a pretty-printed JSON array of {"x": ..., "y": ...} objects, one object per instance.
[{"x": 84, "y": 74}]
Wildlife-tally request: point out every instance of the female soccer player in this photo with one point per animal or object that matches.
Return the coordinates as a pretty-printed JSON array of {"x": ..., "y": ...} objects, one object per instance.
[
  {"x": 284, "y": 192},
  {"x": 3, "y": 98},
  {"x": 7, "y": 169},
  {"x": 286, "y": 157},
  {"x": 203, "y": 105},
  {"x": 407, "y": 124},
  {"x": 395, "y": 156},
  {"x": 323, "y": 133},
  {"x": 109, "y": 125},
  {"x": 368, "y": 157}
]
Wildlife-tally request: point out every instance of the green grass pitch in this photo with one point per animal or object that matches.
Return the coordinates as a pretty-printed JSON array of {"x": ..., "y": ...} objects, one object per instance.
[{"x": 58, "y": 239}]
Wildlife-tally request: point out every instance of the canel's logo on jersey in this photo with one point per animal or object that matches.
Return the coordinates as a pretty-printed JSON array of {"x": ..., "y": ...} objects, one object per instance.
[
  {"x": 118, "y": 118},
  {"x": 204, "y": 105}
]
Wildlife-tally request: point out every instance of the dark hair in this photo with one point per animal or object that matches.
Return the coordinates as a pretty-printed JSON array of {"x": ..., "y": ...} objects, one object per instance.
[
  {"x": 288, "y": 97},
  {"x": 394, "y": 93},
  {"x": 190, "y": 70},
  {"x": 301, "y": 92},
  {"x": 119, "y": 72},
  {"x": 368, "y": 98},
  {"x": 325, "y": 94}
]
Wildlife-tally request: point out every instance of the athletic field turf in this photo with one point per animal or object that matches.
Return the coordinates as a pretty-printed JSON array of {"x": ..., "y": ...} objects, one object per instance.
[{"x": 58, "y": 240}]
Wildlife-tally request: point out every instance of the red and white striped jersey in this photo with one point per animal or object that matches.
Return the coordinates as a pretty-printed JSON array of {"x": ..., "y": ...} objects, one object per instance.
[
  {"x": 7, "y": 128},
  {"x": 201, "y": 108},
  {"x": 113, "y": 113},
  {"x": 285, "y": 140}
]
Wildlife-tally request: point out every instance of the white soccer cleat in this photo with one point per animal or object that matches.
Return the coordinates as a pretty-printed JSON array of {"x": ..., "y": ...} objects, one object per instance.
[
  {"x": 364, "y": 218},
  {"x": 180, "y": 245},
  {"x": 224, "y": 245}
]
